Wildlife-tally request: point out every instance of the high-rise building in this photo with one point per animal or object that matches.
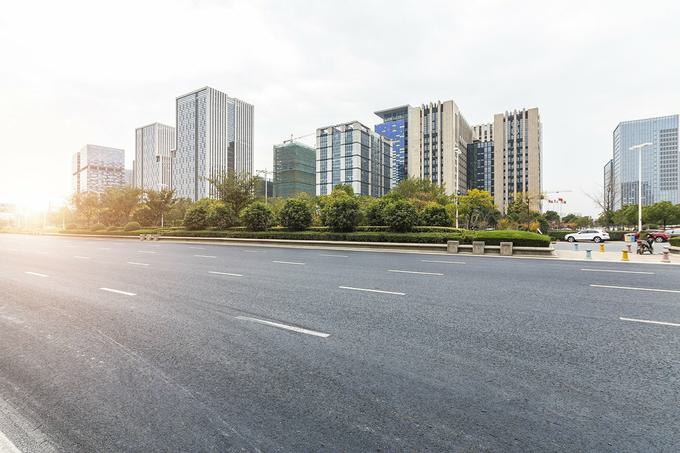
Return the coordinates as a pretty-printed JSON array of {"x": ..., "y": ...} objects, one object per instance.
[
  {"x": 395, "y": 128},
  {"x": 351, "y": 153},
  {"x": 438, "y": 136},
  {"x": 608, "y": 187},
  {"x": 97, "y": 168},
  {"x": 480, "y": 159},
  {"x": 518, "y": 158},
  {"x": 660, "y": 161},
  {"x": 294, "y": 169},
  {"x": 129, "y": 181},
  {"x": 152, "y": 165},
  {"x": 214, "y": 136}
]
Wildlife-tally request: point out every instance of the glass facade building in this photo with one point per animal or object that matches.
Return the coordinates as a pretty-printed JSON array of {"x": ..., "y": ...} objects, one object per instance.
[
  {"x": 660, "y": 161},
  {"x": 395, "y": 128},
  {"x": 97, "y": 168},
  {"x": 294, "y": 169},
  {"x": 151, "y": 167},
  {"x": 353, "y": 154},
  {"x": 480, "y": 171}
]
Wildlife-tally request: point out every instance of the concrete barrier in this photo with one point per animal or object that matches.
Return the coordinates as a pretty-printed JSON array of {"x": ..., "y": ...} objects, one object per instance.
[
  {"x": 674, "y": 250},
  {"x": 478, "y": 247},
  {"x": 506, "y": 249},
  {"x": 452, "y": 246}
]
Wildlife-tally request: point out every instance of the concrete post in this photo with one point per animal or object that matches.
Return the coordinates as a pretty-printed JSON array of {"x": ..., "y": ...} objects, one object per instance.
[
  {"x": 589, "y": 254},
  {"x": 506, "y": 248},
  {"x": 478, "y": 247},
  {"x": 666, "y": 256},
  {"x": 141, "y": 237},
  {"x": 576, "y": 246},
  {"x": 452, "y": 246}
]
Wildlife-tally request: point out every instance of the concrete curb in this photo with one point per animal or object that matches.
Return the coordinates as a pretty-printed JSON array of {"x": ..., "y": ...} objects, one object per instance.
[{"x": 674, "y": 250}]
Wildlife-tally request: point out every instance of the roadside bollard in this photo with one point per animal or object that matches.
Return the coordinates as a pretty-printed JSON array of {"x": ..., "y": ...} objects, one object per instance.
[
  {"x": 624, "y": 255},
  {"x": 589, "y": 254},
  {"x": 629, "y": 248},
  {"x": 141, "y": 237},
  {"x": 666, "y": 256},
  {"x": 576, "y": 246},
  {"x": 601, "y": 248}
]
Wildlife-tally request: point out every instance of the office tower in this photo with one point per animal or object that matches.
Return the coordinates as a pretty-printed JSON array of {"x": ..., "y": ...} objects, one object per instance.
[
  {"x": 518, "y": 158},
  {"x": 294, "y": 169},
  {"x": 153, "y": 146},
  {"x": 129, "y": 177},
  {"x": 214, "y": 136},
  {"x": 660, "y": 161},
  {"x": 351, "y": 153},
  {"x": 480, "y": 159},
  {"x": 395, "y": 128},
  {"x": 608, "y": 187},
  {"x": 96, "y": 168}
]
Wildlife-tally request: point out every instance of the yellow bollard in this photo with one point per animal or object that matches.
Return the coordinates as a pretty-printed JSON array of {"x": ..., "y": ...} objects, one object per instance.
[
  {"x": 624, "y": 255},
  {"x": 602, "y": 248}
]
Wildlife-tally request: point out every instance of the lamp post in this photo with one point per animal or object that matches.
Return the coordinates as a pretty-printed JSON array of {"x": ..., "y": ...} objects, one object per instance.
[
  {"x": 458, "y": 152},
  {"x": 266, "y": 173},
  {"x": 639, "y": 149}
]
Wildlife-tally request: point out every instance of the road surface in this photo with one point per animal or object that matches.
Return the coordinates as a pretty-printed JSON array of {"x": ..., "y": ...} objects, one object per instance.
[{"x": 119, "y": 345}]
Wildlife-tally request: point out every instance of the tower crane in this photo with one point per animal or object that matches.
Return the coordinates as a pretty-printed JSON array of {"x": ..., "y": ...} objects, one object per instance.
[{"x": 291, "y": 139}]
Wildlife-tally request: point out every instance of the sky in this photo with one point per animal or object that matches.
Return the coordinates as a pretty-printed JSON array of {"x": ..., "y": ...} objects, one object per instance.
[{"x": 78, "y": 72}]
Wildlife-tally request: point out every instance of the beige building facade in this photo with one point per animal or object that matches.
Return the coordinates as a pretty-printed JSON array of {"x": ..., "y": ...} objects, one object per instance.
[{"x": 518, "y": 158}]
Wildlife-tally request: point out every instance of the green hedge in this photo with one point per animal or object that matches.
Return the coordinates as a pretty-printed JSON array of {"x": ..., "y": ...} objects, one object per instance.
[{"x": 675, "y": 242}]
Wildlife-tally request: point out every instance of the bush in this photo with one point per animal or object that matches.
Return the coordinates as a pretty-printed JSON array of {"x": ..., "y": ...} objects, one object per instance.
[
  {"x": 98, "y": 227},
  {"x": 375, "y": 213},
  {"x": 132, "y": 226},
  {"x": 196, "y": 218},
  {"x": 295, "y": 215},
  {"x": 112, "y": 228},
  {"x": 401, "y": 216},
  {"x": 675, "y": 242},
  {"x": 143, "y": 215},
  {"x": 257, "y": 217},
  {"x": 435, "y": 215},
  {"x": 341, "y": 213},
  {"x": 71, "y": 226},
  {"x": 221, "y": 216}
]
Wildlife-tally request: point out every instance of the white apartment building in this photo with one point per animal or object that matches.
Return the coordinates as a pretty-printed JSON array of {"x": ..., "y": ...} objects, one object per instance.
[
  {"x": 96, "y": 168},
  {"x": 153, "y": 153}
]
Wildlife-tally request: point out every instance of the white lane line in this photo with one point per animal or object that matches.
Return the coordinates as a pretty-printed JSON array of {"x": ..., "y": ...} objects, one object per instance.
[
  {"x": 42, "y": 253},
  {"x": 334, "y": 256},
  {"x": 372, "y": 290},
  {"x": 254, "y": 251},
  {"x": 637, "y": 289},
  {"x": 205, "y": 256},
  {"x": 285, "y": 326},
  {"x": 289, "y": 262},
  {"x": 414, "y": 272},
  {"x": 117, "y": 291},
  {"x": 105, "y": 248},
  {"x": 137, "y": 264},
  {"x": 225, "y": 273},
  {"x": 35, "y": 274},
  {"x": 617, "y": 271},
  {"x": 6, "y": 445},
  {"x": 197, "y": 248},
  {"x": 663, "y": 323},
  {"x": 442, "y": 261},
  {"x": 79, "y": 257},
  {"x": 146, "y": 251}
]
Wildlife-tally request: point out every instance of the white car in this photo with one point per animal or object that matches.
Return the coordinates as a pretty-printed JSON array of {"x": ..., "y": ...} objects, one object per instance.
[
  {"x": 588, "y": 235},
  {"x": 673, "y": 232}
]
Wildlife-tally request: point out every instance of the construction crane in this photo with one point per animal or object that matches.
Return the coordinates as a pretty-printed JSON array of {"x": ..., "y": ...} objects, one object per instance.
[{"x": 291, "y": 139}]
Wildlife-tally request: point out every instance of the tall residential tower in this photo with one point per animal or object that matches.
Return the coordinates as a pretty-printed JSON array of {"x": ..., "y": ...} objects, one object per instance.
[
  {"x": 151, "y": 168},
  {"x": 214, "y": 136}
]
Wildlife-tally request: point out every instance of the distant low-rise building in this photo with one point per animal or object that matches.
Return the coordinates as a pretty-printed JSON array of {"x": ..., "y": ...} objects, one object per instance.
[
  {"x": 351, "y": 153},
  {"x": 294, "y": 169},
  {"x": 96, "y": 168}
]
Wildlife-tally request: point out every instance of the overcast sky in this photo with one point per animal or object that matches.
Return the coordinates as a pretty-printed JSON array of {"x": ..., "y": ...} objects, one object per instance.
[{"x": 76, "y": 72}]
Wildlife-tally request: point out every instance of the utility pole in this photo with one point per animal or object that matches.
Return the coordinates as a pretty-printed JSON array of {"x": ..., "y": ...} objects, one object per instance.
[
  {"x": 265, "y": 172},
  {"x": 639, "y": 149}
]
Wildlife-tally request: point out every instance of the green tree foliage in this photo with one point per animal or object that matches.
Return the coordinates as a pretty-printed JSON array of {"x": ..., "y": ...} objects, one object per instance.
[
  {"x": 476, "y": 208},
  {"x": 341, "y": 212},
  {"x": 663, "y": 213},
  {"x": 257, "y": 217},
  {"x": 375, "y": 212},
  {"x": 346, "y": 188},
  {"x": 435, "y": 214},
  {"x": 132, "y": 226},
  {"x": 176, "y": 214},
  {"x": 401, "y": 215},
  {"x": 118, "y": 204},
  {"x": 86, "y": 206},
  {"x": 419, "y": 191},
  {"x": 628, "y": 215},
  {"x": 160, "y": 203},
  {"x": 296, "y": 214},
  {"x": 221, "y": 216},
  {"x": 235, "y": 189},
  {"x": 196, "y": 217},
  {"x": 143, "y": 215}
]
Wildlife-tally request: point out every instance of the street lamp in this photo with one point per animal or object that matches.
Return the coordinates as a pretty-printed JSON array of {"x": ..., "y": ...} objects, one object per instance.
[
  {"x": 458, "y": 153},
  {"x": 639, "y": 149},
  {"x": 266, "y": 173}
]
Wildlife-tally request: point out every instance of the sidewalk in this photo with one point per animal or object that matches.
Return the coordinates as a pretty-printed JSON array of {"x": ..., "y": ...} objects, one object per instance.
[{"x": 614, "y": 256}]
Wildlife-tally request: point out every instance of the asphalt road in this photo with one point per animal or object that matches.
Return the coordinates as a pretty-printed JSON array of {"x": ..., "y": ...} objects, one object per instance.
[{"x": 115, "y": 345}]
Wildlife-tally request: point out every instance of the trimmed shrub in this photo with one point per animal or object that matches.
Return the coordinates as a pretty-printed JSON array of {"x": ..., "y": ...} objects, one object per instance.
[
  {"x": 132, "y": 226},
  {"x": 375, "y": 213},
  {"x": 675, "y": 242},
  {"x": 401, "y": 216},
  {"x": 143, "y": 215},
  {"x": 435, "y": 215},
  {"x": 341, "y": 213},
  {"x": 71, "y": 226},
  {"x": 257, "y": 217},
  {"x": 196, "y": 218},
  {"x": 221, "y": 216},
  {"x": 296, "y": 215},
  {"x": 98, "y": 227},
  {"x": 112, "y": 228}
]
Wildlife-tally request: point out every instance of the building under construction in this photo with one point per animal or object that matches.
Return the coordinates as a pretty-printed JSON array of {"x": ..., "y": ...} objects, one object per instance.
[{"x": 294, "y": 169}]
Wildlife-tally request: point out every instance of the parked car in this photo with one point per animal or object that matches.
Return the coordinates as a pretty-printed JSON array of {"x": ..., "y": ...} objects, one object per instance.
[
  {"x": 658, "y": 236},
  {"x": 674, "y": 232},
  {"x": 588, "y": 235}
]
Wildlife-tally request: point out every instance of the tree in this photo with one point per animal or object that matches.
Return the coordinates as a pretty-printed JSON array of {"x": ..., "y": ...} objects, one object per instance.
[
  {"x": 221, "y": 216},
  {"x": 341, "y": 213},
  {"x": 552, "y": 217},
  {"x": 606, "y": 200},
  {"x": 435, "y": 215},
  {"x": 143, "y": 215},
  {"x": 346, "y": 188},
  {"x": 420, "y": 191},
  {"x": 475, "y": 207},
  {"x": 257, "y": 217},
  {"x": 401, "y": 216},
  {"x": 296, "y": 214},
  {"x": 178, "y": 210},
  {"x": 160, "y": 202},
  {"x": 87, "y": 206},
  {"x": 196, "y": 217},
  {"x": 236, "y": 189},
  {"x": 118, "y": 203},
  {"x": 375, "y": 212},
  {"x": 663, "y": 212},
  {"x": 627, "y": 215}
]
